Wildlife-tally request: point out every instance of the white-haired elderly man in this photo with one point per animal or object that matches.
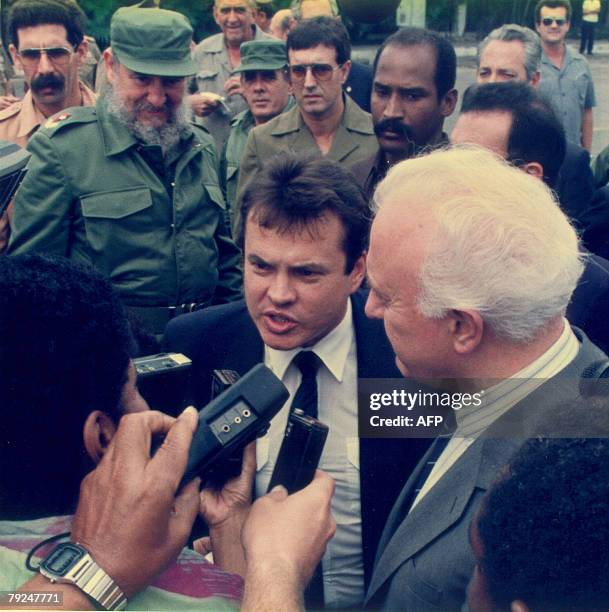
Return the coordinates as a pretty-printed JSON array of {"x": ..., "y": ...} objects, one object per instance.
[{"x": 471, "y": 276}]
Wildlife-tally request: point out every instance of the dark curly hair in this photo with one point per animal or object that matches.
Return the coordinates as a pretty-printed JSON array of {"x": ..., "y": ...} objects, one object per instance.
[
  {"x": 29, "y": 13},
  {"x": 65, "y": 346},
  {"x": 544, "y": 527}
]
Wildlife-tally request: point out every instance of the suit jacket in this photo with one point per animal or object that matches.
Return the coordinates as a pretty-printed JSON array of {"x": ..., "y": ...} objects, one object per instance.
[
  {"x": 575, "y": 185},
  {"x": 424, "y": 560},
  {"x": 589, "y": 305},
  {"x": 359, "y": 85},
  {"x": 226, "y": 337},
  {"x": 596, "y": 223}
]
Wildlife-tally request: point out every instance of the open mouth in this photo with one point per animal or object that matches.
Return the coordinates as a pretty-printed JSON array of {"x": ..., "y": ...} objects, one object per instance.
[{"x": 278, "y": 323}]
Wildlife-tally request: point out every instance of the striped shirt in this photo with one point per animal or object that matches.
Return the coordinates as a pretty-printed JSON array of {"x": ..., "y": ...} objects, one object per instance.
[{"x": 498, "y": 399}]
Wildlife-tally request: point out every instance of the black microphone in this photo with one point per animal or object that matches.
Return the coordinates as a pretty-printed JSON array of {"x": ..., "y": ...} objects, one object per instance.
[{"x": 233, "y": 419}]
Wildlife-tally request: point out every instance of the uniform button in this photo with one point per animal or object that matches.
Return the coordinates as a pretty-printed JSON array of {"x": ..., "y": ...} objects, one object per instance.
[
  {"x": 172, "y": 226},
  {"x": 173, "y": 184}
]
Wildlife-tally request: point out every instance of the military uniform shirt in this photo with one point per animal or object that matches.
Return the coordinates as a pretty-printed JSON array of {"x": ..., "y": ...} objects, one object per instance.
[
  {"x": 354, "y": 140},
  {"x": 212, "y": 59},
  {"x": 90, "y": 195}
]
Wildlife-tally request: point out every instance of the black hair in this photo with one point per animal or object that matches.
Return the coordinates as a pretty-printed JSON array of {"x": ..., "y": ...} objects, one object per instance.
[
  {"x": 536, "y": 134},
  {"x": 293, "y": 192},
  {"x": 326, "y": 31},
  {"x": 552, "y": 4},
  {"x": 446, "y": 58},
  {"x": 266, "y": 8},
  {"x": 28, "y": 13},
  {"x": 544, "y": 527},
  {"x": 64, "y": 352}
]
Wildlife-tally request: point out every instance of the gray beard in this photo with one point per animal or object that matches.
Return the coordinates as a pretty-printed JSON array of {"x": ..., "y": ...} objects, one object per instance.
[{"x": 166, "y": 136}]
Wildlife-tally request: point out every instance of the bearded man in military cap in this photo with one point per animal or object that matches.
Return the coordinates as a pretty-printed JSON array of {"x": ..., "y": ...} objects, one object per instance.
[{"x": 130, "y": 185}]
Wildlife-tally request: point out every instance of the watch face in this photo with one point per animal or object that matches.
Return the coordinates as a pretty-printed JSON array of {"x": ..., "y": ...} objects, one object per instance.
[{"x": 62, "y": 559}]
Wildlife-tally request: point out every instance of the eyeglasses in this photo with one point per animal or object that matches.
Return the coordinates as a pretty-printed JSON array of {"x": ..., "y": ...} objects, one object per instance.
[
  {"x": 548, "y": 21},
  {"x": 321, "y": 72},
  {"x": 58, "y": 55}
]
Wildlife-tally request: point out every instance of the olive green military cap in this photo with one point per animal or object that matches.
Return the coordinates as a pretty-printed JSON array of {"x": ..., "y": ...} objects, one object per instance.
[
  {"x": 152, "y": 41},
  {"x": 262, "y": 55}
]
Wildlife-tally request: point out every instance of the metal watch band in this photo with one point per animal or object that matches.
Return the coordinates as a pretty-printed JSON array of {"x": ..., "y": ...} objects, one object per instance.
[{"x": 93, "y": 581}]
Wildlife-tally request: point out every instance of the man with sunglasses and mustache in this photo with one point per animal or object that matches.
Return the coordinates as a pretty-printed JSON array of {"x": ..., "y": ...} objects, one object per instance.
[
  {"x": 565, "y": 76},
  {"x": 47, "y": 43},
  {"x": 412, "y": 93},
  {"x": 131, "y": 186},
  {"x": 324, "y": 121}
]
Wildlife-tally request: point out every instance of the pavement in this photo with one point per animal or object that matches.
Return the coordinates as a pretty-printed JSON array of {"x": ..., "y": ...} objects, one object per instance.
[{"x": 466, "y": 75}]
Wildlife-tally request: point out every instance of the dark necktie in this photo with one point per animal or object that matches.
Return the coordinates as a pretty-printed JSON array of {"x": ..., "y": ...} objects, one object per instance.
[
  {"x": 436, "y": 450},
  {"x": 305, "y": 398}
]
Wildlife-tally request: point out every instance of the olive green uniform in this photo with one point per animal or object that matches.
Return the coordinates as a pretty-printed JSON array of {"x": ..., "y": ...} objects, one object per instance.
[
  {"x": 156, "y": 227},
  {"x": 233, "y": 151},
  {"x": 354, "y": 140}
]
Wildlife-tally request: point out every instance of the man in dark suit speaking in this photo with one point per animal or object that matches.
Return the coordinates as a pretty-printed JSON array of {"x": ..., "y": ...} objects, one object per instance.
[
  {"x": 304, "y": 233},
  {"x": 471, "y": 274}
]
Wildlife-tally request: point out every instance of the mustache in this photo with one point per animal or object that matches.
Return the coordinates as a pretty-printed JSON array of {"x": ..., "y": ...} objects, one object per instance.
[
  {"x": 142, "y": 105},
  {"x": 393, "y": 125},
  {"x": 42, "y": 81}
]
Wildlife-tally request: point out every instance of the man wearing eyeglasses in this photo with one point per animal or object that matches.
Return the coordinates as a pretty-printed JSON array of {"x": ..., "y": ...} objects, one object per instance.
[
  {"x": 47, "y": 43},
  {"x": 324, "y": 121},
  {"x": 565, "y": 75},
  {"x": 266, "y": 89}
]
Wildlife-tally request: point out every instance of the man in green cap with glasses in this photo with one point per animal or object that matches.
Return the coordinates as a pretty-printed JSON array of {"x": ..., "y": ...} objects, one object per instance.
[
  {"x": 131, "y": 185},
  {"x": 266, "y": 90}
]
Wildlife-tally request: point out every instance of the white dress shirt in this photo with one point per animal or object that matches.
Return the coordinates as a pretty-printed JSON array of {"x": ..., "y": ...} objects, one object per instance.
[
  {"x": 343, "y": 567},
  {"x": 498, "y": 399}
]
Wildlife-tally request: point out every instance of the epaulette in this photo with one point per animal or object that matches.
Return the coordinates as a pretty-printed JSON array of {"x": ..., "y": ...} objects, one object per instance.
[
  {"x": 203, "y": 135},
  {"x": 10, "y": 111},
  {"x": 70, "y": 116}
]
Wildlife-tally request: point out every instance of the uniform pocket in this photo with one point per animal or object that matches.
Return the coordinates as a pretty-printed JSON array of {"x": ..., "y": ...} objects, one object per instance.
[
  {"x": 115, "y": 204},
  {"x": 119, "y": 226}
]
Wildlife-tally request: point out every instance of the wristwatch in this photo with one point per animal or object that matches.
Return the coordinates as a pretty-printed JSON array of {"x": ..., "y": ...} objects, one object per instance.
[{"x": 72, "y": 564}]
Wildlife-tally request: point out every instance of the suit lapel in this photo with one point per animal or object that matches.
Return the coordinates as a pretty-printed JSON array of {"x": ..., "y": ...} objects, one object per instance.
[
  {"x": 243, "y": 346},
  {"x": 435, "y": 513}
]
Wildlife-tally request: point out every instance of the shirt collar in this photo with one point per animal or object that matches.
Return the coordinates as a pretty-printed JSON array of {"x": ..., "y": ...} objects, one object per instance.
[
  {"x": 30, "y": 118},
  {"x": 333, "y": 349},
  {"x": 472, "y": 420}
]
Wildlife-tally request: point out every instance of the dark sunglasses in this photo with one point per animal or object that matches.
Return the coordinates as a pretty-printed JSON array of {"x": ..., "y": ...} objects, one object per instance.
[
  {"x": 321, "y": 72},
  {"x": 57, "y": 55},
  {"x": 548, "y": 21}
]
